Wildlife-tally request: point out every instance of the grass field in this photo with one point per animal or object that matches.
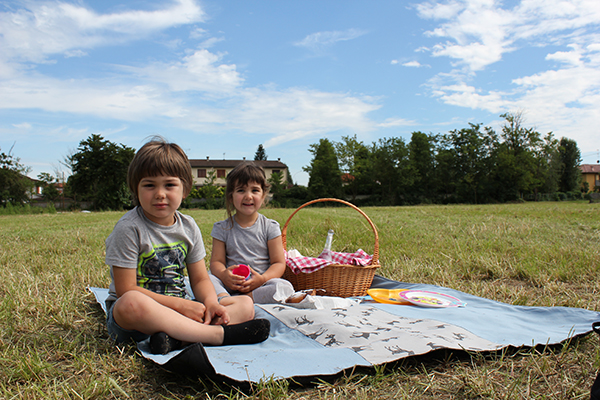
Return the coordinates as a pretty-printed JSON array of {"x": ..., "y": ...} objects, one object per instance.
[{"x": 53, "y": 342}]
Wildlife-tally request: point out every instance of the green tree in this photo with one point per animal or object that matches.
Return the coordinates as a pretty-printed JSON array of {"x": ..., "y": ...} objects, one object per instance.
[
  {"x": 14, "y": 184},
  {"x": 390, "y": 170},
  {"x": 99, "y": 173},
  {"x": 325, "y": 177},
  {"x": 353, "y": 159},
  {"x": 547, "y": 167},
  {"x": 422, "y": 163},
  {"x": 211, "y": 193},
  {"x": 277, "y": 188},
  {"x": 570, "y": 158},
  {"x": 260, "y": 154},
  {"x": 49, "y": 190},
  {"x": 516, "y": 162},
  {"x": 464, "y": 160}
]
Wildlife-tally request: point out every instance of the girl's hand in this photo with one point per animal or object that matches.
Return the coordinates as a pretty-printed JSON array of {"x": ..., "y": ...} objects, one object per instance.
[
  {"x": 216, "y": 314},
  {"x": 193, "y": 310},
  {"x": 232, "y": 281},
  {"x": 256, "y": 280}
]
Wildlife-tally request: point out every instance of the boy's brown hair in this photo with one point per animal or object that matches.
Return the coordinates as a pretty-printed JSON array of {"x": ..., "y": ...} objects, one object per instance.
[
  {"x": 159, "y": 157},
  {"x": 241, "y": 175}
]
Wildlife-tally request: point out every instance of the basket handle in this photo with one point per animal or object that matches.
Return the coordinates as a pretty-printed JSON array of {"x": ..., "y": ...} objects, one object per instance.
[{"x": 375, "y": 259}]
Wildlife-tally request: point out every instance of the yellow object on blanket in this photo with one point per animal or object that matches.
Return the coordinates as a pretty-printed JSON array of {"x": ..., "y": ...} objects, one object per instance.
[{"x": 388, "y": 296}]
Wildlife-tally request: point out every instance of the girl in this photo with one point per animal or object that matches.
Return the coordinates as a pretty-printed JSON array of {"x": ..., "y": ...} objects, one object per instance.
[{"x": 249, "y": 238}]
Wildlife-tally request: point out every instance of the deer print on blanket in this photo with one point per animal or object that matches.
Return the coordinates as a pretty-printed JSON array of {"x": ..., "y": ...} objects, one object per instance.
[{"x": 374, "y": 334}]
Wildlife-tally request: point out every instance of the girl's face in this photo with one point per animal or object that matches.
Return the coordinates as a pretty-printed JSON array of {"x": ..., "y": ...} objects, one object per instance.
[{"x": 248, "y": 199}]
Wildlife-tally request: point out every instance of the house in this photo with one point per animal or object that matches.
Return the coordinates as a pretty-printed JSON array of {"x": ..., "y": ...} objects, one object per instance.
[
  {"x": 591, "y": 174},
  {"x": 202, "y": 168}
]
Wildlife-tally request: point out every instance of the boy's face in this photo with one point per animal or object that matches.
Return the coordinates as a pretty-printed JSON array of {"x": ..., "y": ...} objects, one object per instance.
[{"x": 159, "y": 197}]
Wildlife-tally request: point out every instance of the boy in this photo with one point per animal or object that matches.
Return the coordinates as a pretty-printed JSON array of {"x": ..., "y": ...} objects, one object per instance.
[{"x": 148, "y": 251}]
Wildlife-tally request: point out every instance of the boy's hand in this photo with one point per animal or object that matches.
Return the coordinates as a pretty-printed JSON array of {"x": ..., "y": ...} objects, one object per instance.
[
  {"x": 216, "y": 314},
  {"x": 256, "y": 280},
  {"x": 193, "y": 310},
  {"x": 232, "y": 281}
]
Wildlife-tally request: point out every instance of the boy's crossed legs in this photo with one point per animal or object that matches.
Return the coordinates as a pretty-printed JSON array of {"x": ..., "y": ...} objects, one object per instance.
[{"x": 136, "y": 311}]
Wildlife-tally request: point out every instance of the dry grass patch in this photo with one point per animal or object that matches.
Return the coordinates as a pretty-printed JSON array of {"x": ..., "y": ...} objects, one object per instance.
[{"x": 53, "y": 342}]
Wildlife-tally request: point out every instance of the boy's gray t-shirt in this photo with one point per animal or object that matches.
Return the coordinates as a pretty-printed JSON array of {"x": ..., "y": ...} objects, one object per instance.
[
  {"x": 158, "y": 253},
  {"x": 247, "y": 245}
]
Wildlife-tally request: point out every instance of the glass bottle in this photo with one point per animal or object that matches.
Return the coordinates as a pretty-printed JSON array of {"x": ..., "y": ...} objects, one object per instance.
[{"x": 326, "y": 254}]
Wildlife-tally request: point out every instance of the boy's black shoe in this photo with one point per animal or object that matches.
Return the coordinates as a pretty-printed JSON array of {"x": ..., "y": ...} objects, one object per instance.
[{"x": 161, "y": 343}]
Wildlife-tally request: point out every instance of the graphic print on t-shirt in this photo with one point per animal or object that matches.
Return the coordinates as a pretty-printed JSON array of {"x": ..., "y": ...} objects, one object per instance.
[{"x": 161, "y": 270}]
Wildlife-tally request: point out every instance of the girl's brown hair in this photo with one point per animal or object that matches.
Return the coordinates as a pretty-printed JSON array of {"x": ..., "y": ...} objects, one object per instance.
[
  {"x": 241, "y": 175},
  {"x": 159, "y": 158}
]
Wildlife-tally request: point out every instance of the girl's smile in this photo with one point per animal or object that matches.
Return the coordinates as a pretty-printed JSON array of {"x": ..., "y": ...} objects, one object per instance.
[{"x": 247, "y": 200}]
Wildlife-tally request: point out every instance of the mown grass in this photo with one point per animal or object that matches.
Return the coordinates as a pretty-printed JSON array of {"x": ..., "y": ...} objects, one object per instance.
[{"x": 53, "y": 342}]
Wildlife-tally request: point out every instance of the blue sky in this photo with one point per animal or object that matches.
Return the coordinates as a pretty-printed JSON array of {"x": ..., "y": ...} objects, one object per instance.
[{"x": 221, "y": 77}]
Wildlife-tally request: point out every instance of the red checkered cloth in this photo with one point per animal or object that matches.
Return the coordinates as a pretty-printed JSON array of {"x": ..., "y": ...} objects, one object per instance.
[{"x": 312, "y": 264}]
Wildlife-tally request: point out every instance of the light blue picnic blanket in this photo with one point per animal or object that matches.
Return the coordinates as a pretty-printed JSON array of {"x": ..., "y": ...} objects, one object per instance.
[{"x": 319, "y": 342}]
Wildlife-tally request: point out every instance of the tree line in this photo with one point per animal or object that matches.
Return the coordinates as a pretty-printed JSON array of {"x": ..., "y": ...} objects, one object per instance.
[{"x": 469, "y": 165}]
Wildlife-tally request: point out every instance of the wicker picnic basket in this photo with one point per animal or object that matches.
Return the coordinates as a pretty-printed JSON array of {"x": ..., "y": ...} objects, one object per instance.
[{"x": 339, "y": 280}]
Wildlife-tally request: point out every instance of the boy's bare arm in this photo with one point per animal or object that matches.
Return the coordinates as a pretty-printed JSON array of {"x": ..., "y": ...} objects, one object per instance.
[
  {"x": 202, "y": 287},
  {"x": 204, "y": 291}
]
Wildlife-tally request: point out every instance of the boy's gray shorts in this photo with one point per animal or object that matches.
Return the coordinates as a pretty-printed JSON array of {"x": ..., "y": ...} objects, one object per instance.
[{"x": 117, "y": 333}]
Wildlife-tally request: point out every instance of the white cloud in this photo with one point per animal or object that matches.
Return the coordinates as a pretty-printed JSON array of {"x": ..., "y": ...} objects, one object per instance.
[
  {"x": 198, "y": 91},
  {"x": 199, "y": 71},
  {"x": 287, "y": 115},
  {"x": 463, "y": 95},
  {"x": 75, "y": 53},
  {"x": 41, "y": 29},
  {"x": 566, "y": 57},
  {"x": 320, "y": 40},
  {"x": 478, "y": 33},
  {"x": 23, "y": 125},
  {"x": 98, "y": 98},
  {"x": 393, "y": 122},
  {"x": 414, "y": 64}
]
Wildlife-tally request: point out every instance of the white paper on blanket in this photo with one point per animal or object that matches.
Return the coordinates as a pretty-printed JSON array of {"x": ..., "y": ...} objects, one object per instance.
[
  {"x": 282, "y": 292},
  {"x": 324, "y": 302},
  {"x": 376, "y": 335}
]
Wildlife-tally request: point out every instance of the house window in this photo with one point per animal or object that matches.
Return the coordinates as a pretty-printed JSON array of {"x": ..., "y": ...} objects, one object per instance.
[
  {"x": 201, "y": 173},
  {"x": 276, "y": 171},
  {"x": 220, "y": 173}
]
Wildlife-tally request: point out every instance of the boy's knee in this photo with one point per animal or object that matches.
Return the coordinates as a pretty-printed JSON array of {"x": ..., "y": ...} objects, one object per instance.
[
  {"x": 247, "y": 305},
  {"x": 129, "y": 308},
  {"x": 242, "y": 303}
]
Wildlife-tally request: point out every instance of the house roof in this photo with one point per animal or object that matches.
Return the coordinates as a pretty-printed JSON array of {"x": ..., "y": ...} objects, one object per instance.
[
  {"x": 208, "y": 163},
  {"x": 590, "y": 168}
]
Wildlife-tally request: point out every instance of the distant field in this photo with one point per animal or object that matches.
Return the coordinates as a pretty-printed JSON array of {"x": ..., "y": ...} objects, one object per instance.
[{"x": 53, "y": 340}]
